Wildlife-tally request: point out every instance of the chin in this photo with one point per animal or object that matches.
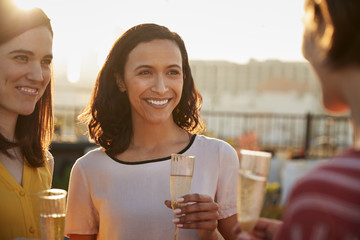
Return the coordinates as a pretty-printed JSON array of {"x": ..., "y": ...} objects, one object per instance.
[
  {"x": 27, "y": 112},
  {"x": 337, "y": 109}
]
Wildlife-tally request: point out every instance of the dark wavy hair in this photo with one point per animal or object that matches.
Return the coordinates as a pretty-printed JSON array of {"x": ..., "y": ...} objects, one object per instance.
[
  {"x": 33, "y": 132},
  {"x": 337, "y": 30},
  {"x": 108, "y": 114}
]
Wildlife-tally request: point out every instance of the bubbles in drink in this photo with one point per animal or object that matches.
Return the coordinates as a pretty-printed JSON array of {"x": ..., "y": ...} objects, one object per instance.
[
  {"x": 52, "y": 226},
  {"x": 252, "y": 190},
  {"x": 180, "y": 185}
]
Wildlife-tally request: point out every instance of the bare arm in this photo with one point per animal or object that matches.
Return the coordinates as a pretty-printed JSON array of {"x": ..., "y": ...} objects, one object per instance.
[
  {"x": 226, "y": 225},
  {"x": 82, "y": 237}
]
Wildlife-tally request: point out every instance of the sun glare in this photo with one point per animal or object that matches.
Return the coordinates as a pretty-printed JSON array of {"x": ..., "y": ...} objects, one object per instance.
[
  {"x": 25, "y": 4},
  {"x": 73, "y": 68},
  {"x": 241, "y": 30}
]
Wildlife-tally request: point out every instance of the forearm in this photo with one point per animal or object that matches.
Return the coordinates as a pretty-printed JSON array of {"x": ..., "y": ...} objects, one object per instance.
[
  {"x": 82, "y": 237},
  {"x": 209, "y": 235},
  {"x": 225, "y": 227}
]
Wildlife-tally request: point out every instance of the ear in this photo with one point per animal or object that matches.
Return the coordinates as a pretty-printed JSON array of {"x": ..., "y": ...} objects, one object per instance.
[{"x": 120, "y": 83}]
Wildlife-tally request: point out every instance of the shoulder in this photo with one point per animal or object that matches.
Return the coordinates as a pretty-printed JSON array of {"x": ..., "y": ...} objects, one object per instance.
[
  {"x": 328, "y": 188},
  {"x": 341, "y": 172},
  {"x": 93, "y": 158},
  {"x": 214, "y": 147},
  {"x": 50, "y": 160},
  {"x": 210, "y": 142},
  {"x": 329, "y": 194}
]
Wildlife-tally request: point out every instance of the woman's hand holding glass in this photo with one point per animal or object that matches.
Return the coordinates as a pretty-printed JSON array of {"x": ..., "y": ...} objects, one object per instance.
[{"x": 200, "y": 213}]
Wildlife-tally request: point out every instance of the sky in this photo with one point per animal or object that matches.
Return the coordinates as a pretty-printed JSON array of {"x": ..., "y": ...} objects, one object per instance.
[{"x": 230, "y": 30}]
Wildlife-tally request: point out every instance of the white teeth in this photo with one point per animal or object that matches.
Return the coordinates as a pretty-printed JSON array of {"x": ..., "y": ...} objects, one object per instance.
[
  {"x": 156, "y": 102},
  {"x": 29, "y": 90}
]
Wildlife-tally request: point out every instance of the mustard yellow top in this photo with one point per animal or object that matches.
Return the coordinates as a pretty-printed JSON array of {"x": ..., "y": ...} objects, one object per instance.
[{"x": 19, "y": 211}]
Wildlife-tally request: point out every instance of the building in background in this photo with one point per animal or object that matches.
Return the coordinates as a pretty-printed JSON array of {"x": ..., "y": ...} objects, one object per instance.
[
  {"x": 271, "y": 86},
  {"x": 255, "y": 87}
]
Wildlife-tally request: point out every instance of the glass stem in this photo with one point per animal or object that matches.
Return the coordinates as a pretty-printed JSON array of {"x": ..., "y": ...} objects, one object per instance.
[{"x": 176, "y": 232}]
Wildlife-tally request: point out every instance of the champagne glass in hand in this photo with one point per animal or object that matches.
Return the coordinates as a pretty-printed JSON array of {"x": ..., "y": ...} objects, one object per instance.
[
  {"x": 52, "y": 214},
  {"x": 182, "y": 168},
  {"x": 252, "y": 179}
]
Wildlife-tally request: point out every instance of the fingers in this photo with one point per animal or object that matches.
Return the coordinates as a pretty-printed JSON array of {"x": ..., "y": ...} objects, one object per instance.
[
  {"x": 200, "y": 207},
  {"x": 198, "y": 216},
  {"x": 201, "y": 204},
  {"x": 195, "y": 197},
  {"x": 197, "y": 203},
  {"x": 200, "y": 213},
  {"x": 191, "y": 198},
  {"x": 167, "y": 203}
]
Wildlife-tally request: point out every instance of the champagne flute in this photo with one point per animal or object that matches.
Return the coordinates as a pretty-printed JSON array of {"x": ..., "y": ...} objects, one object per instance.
[
  {"x": 252, "y": 179},
  {"x": 52, "y": 213},
  {"x": 182, "y": 168}
]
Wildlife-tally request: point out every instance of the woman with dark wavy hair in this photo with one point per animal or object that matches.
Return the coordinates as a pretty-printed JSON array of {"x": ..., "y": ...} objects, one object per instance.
[
  {"x": 26, "y": 121},
  {"x": 144, "y": 107}
]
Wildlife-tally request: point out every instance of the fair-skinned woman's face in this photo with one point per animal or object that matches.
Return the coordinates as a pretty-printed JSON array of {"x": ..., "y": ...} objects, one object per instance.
[
  {"x": 153, "y": 81},
  {"x": 330, "y": 84},
  {"x": 25, "y": 71}
]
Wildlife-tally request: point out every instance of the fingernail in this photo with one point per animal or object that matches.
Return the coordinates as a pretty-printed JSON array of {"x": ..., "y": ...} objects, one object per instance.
[
  {"x": 176, "y": 220},
  {"x": 179, "y": 225},
  {"x": 177, "y": 211},
  {"x": 180, "y": 200}
]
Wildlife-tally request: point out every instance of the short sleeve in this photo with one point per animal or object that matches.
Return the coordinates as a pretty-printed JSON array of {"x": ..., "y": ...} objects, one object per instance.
[
  {"x": 81, "y": 215},
  {"x": 50, "y": 159},
  {"x": 226, "y": 194}
]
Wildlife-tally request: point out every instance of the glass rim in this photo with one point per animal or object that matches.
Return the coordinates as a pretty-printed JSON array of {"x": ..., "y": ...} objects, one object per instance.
[
  {"x": 182, "y": 155},
  {"x": 255, "y": 153},
  {"x": 54, "y": 193}
]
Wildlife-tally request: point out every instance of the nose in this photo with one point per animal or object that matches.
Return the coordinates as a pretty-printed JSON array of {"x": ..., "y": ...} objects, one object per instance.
[
  {"x": 35, "y": 72},
  {"x": 159, "y": 84}
]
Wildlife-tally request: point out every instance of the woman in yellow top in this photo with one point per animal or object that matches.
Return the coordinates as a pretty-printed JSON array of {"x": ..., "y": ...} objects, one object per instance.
[{"x": 26, "y": 122}]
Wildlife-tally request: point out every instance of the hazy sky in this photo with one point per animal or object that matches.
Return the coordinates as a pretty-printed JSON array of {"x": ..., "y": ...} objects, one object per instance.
[{"x": 233, "y": 30}]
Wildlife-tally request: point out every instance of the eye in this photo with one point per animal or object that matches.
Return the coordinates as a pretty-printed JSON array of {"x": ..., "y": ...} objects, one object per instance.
[
  {"x": 46, "y": 61},
  {"x": 174, "y": 72},
  {"x": 144, "y": 72},
  {"x": 21, "y": 58}
]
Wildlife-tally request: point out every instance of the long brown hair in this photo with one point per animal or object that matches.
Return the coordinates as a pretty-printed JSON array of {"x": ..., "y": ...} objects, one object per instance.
[
  {"x": 33, "y": 132},
  {"x": 108, "y": 113}
]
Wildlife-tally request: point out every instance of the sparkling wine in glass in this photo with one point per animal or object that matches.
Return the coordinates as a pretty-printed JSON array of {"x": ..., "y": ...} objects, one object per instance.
[
  {"x": 182, "y": 168},
  {"x": 252, "y": 179},
  {"x": 52, "y": 213}
]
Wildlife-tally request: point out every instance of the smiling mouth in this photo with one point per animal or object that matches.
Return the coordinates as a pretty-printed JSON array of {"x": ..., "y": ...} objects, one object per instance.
[
  {"x": 158, "y": 102},
  {"x": 28, "y": 90}
]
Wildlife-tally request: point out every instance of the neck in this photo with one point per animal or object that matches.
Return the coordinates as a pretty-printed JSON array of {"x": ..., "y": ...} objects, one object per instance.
[
  {"x": 356, "y": 136},
  {"x": 7, "y": 125},
  {"x": 157, "y": 134}
]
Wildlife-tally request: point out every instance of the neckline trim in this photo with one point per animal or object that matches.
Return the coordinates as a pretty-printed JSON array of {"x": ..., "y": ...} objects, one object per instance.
[{"x": 192, "y": 139}]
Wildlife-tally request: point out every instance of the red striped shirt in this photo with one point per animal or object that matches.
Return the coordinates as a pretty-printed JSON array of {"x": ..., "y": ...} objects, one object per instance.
[{"x": 325, "y": 203}]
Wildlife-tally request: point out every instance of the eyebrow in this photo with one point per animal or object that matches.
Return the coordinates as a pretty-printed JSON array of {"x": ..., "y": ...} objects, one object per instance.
[
  {"x": 28, "y": 53},
  {"x": 148, "y": 66}
]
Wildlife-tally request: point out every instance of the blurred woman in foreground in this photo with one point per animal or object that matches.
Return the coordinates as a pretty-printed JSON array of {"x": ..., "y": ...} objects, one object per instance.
[{"x": 325, "y": 204}]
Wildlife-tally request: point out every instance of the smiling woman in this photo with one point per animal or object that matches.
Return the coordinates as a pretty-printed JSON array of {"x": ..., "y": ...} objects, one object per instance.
[
  {"x": 26, "y": 124},
  {"x": 144, "y": 107}
]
